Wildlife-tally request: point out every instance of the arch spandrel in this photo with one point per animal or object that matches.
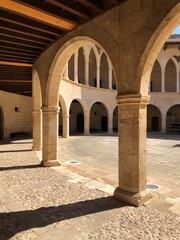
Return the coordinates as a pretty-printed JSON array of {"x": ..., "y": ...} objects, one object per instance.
[{"x": 142, "y": 34}]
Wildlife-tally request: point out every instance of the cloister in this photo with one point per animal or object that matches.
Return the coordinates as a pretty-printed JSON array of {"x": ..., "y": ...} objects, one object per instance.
[{"x": 132, "y": 44}]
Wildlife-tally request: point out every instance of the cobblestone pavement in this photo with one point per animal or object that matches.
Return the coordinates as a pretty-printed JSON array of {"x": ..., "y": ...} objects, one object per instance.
[
  {"x": 98, "y": 157},
  {"x": 57, "y": 203}
]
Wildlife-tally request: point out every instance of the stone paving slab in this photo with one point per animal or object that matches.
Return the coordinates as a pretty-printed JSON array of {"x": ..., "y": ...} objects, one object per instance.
[{"x": 56, "y": 203}]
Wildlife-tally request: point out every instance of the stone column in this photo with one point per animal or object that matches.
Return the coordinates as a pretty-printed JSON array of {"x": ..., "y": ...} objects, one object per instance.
[
  {"x": 37, "y": 130},
  {"x": 132, "y": 149},
  {"x": 163, "y": 127},
  {"x": 86, "y": 125},
  {"x": 76, "y": 66},
  {"x": 65, "y": 131},
  {"x": 110, "y": 123},
  {"x": 177, "y": 81},
  {"x": 86, "y": 72},
  {"x": 110, "y": 77},
  {"x": 163, "y": 81},
  {"x": 66, "y": 71},
  {"x": 98, "y": 75},
  {"x": 50, "y": 136}
]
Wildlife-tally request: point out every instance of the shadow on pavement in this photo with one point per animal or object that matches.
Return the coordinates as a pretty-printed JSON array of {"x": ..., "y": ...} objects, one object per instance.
[
  {"x": 16, "y": 222},
  {"x": 19, "y": 167}
]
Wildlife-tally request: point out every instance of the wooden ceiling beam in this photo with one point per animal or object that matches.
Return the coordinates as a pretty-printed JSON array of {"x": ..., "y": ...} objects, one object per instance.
[
  {"x": 15, "y": 81},
  {"x": 15, "y": 64},
  {"x": 20, "y": 36},
  {"x": 70, "y": 7},
  {"x": 19, "y": 29},
  {"x": 17, "y": 53},
  {"x": 22, "y": 21},
  {"x": 21, "y": 46},
  {"x": 20, "y": 49},
  {"x": 38, "y": 15},
  {"x": 91, "y": 5},
  {"x": 22, "y": 42},
  {"x": 9, "y": 59},
  {"x": 15, "y": 56}
]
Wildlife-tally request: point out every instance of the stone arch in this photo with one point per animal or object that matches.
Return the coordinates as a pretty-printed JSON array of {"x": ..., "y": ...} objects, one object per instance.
[
  {"x": 154, "y": 118},
  {"x": 170, "y": 76},
  {"x": 98, "y": 118},
  {"x": 155, "y": 43},
  {"x": 62, "y": 117},
  {"x": 76, "y": 116},
  {"x": 155, "y": 79},
  {"x": 36, "y": 111},
  {"x": 1, "y": 123},
  {"x": 36, "y": 91},
  {"x": 58, "y": 65},
  {"x": 173, "y": 118}
]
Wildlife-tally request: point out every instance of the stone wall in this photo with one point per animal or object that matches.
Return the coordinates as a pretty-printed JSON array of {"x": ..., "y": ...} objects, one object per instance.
[{"x": 17, "y": 113}]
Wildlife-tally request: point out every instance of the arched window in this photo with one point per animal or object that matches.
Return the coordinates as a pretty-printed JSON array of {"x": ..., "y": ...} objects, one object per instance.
[
  {"x": 155, "y": 79},
  {"x": 170, "y": 77}
]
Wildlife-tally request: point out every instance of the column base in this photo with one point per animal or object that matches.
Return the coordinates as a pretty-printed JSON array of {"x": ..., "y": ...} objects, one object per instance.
[
  {"x": 135, "y": 199},
  {"x": 51, "y": 163},
  {"x": 36, "y": 148},
  {"x": 65, "y": 136},
  {"x": 86, "y": 134}
]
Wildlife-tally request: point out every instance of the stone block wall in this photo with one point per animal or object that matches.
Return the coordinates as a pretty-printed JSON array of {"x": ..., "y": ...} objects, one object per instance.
[{"x": 16, "y": 111}]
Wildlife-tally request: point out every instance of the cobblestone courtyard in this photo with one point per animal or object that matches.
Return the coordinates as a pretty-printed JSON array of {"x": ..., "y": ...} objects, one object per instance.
[{"x": 71, "y": 203}]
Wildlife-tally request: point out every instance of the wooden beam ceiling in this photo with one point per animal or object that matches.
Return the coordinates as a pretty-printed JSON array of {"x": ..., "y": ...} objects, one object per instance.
[
  {"x": 28, "y": 27},
  {"x": 32, "y": 13}
]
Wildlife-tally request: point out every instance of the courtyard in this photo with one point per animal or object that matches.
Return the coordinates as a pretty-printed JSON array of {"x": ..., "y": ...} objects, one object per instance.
[{"x": 74, "y": 201}]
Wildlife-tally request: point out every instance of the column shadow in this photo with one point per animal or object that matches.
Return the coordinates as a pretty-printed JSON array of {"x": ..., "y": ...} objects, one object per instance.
[{"x": 16, "y": 222}]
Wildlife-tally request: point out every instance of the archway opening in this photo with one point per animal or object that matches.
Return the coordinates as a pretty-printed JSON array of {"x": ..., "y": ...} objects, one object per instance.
[
  {"x": 98, "y": 118},
  {"x": 155, "y": 79},
  {"x": 170, "y": 77},
  {"x": 153, "y": 119},
  {"x": 60, "y": 129},
  {"x": 92, "y": 69},
  {"x": 103, "y": 71},
  {"x": 81, "y": 66},
  {"x": 173, "y": 119},
  {"x": 76, "y": 118}
]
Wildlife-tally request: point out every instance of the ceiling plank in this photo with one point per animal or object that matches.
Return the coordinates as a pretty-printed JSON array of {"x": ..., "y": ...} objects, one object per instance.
[
  {"x": 91, "y": 5},
  {"x": 36, "y": 14},
  {"x": 19, "y": 29},
  {"x": 70, "y": 7},
  {"x": 15, "y": 64}
]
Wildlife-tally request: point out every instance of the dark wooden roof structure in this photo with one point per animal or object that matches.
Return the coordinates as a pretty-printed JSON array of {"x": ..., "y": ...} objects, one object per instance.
[{"x": 28, "y": 27}]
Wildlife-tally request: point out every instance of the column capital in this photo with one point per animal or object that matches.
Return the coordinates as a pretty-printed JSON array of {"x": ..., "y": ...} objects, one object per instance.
[
  {"x": 50, "y": 109},
  {"x": 37, "y": 111},
  {"x": 130, "y": 99}
]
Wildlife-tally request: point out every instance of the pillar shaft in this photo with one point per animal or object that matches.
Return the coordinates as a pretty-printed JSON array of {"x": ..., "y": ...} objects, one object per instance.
[
  {"x": 50, "y": 136},
  {"x": 177, "y": 82},
  {"x": 163, "y": 82},
  {"x": 110, "y": 77},
  {"x": 86, "y": 125},
  {"x": 86, "y": 72},
  {"x": 76, "y": 67},
  {"x": 98, "y": 76},
  {"x": 37, "y": 130},
  {"x": 65, "y": 132},
  {"x": 132, "y": 149},
  {"x": 110, "y": 124}
]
